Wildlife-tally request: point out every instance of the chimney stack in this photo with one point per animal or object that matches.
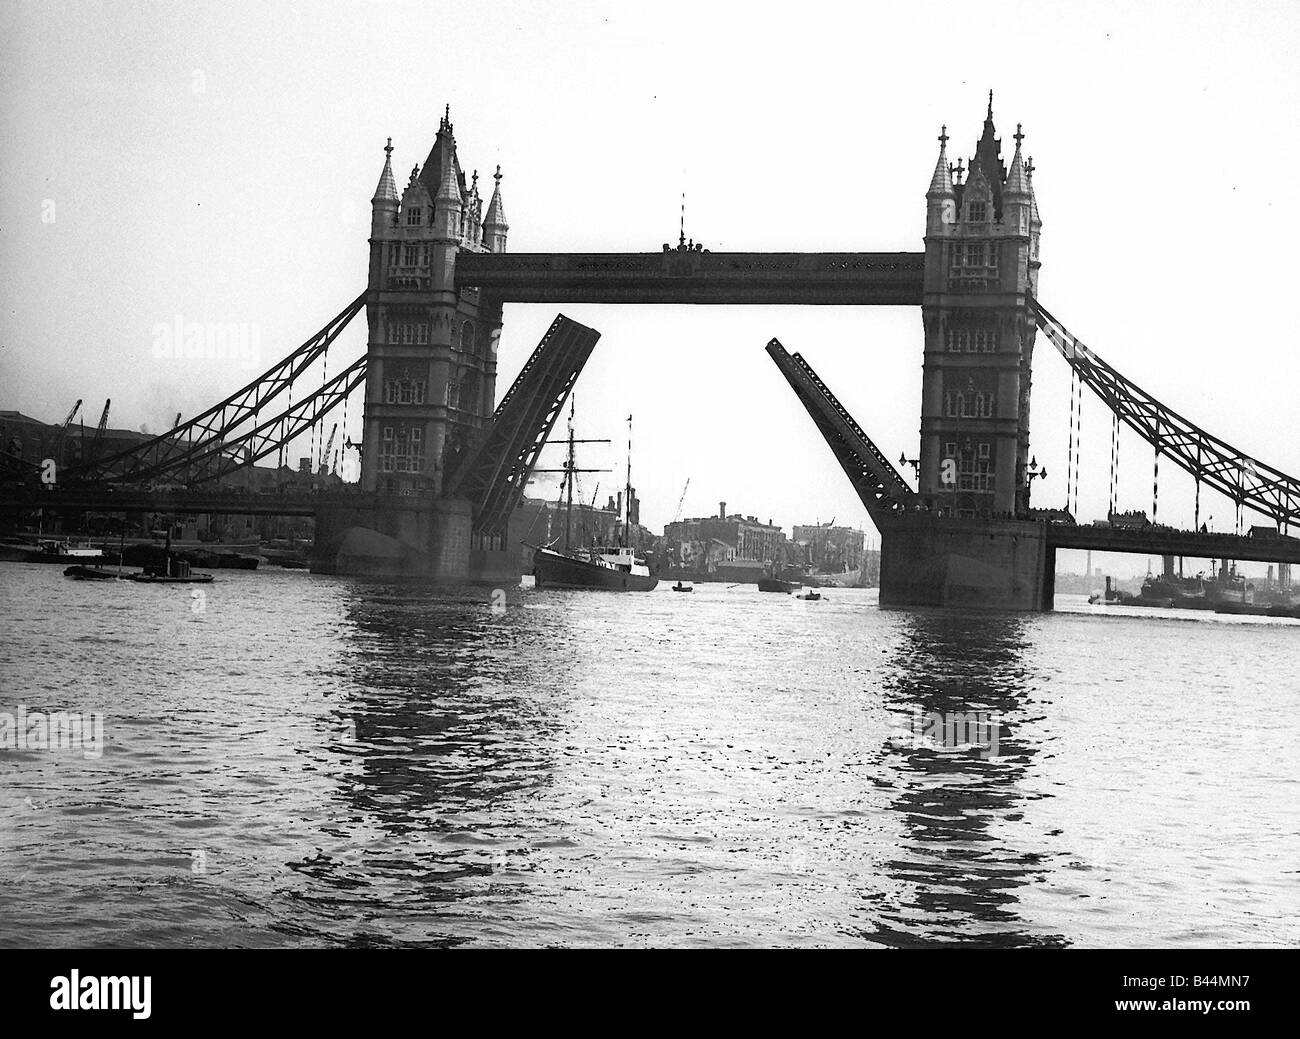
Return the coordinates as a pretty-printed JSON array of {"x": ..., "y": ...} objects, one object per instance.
[{"x": 722, "y": 510}]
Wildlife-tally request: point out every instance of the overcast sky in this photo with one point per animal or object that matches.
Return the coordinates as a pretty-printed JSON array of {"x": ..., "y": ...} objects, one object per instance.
[{"x": 215, "y": 161}]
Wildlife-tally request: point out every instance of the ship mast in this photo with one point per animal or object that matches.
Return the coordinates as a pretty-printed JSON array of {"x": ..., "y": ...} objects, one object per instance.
[
  {"x": 570, "y": 471},
  {"x": 627, "y": 492},
  {"x": 568, "y": 478}
]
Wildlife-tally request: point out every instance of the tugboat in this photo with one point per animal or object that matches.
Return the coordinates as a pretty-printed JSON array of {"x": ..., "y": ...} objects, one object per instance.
[
  {"x": 173, "y": 571},
  {"x": 169, "y": 571},
  {"x": 612, "y": 568}
]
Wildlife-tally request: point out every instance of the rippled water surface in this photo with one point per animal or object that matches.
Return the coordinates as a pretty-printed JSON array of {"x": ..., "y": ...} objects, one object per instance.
[{"x": 307, "y": 760}]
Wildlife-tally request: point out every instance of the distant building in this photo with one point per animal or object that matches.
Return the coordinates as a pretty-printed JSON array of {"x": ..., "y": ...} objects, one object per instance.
[
  {"x": 732, "y": 547},
  {"x": 830, "y": 550},
  {"x": 33, "y": 440}
]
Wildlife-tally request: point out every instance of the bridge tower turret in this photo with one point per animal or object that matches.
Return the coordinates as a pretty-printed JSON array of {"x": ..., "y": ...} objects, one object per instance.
[
  {"x": 980, "y": 271},
  {"x": 385, "y": 202},
  {"x": 940, "y": 200},
  {"x": 431, "y": 375},
  {"x": 494, "y": 224}
]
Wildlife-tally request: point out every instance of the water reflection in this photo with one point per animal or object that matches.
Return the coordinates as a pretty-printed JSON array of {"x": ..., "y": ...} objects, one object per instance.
[
  {"x": 436, "y": 729},
  {"x": 956, "y": 874}
]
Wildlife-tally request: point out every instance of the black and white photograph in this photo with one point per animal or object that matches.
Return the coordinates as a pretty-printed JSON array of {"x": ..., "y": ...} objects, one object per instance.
[{"x": 593, "y": 475}]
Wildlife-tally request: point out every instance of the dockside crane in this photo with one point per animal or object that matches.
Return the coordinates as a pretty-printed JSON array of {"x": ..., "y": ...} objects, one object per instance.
[
  {"x": 682, "y": 500},
  {"x": 325, "y": 453},
  {"x": 56, "y": 447},
  {"x": 97, "y": 441}
]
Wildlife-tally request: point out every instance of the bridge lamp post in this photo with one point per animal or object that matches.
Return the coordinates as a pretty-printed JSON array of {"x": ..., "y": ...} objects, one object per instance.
[
  {"x": 1034, "y": 472},
  {"x": 915, "y": 463}
]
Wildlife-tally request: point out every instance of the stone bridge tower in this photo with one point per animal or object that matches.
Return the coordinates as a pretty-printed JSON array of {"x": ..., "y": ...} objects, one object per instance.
[
  {"x": 432, "y": 368},
  {"x": 981, "y": 267}
]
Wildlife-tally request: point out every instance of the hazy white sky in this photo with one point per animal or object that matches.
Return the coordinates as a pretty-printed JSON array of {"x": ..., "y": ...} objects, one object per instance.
[{"x": 215, "y": 161}]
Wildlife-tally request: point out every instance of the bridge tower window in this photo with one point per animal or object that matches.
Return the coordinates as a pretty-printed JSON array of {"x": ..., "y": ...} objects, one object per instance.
[
  {"x": 413, "y": 216},
  {"x": 405, "y": 391},
  {"x": 972, "y": 339},
  {"x": 403, "y": 451}
]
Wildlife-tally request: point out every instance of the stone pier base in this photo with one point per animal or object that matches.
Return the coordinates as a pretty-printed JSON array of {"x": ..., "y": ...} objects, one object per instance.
[
  {"x": 394, "y": 536},
  {"x": 927, "y": 560}
]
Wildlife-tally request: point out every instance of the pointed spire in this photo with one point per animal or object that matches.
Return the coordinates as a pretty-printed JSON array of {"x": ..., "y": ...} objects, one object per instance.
[
  {"x": 941, "y": 182},
  {"x": 448, "y": 181},
  {"x": 1017, "y": 180},
  {"x": 387, "y": 188},
  {"x": 496, "y": 214},
  {"x": 442, "y": 154},
  {"x": 988, "y": 156},
  {"x": 1034, "y": 220},
  {"x": 448, "y": 189}
]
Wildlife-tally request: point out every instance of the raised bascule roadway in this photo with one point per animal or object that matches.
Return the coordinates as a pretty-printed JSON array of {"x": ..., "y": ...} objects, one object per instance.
[{"x": 444, "y": 467}]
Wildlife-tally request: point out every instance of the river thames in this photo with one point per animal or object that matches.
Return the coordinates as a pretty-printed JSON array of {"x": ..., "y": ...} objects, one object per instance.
[{"x": 291, "y": 759}]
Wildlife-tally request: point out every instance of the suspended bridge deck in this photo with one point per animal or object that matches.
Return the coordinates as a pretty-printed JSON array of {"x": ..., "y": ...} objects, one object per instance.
[
  {"x": 105, "y": 498},
  {"x": 691, "y": 276}
]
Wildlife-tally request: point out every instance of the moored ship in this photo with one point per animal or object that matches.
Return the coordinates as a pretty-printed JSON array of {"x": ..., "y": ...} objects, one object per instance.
[{"x": 612, "y": 568}]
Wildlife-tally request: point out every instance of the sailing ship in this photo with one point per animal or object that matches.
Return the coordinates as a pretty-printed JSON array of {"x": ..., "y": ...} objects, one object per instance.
[{"x": 613, "y": 568}]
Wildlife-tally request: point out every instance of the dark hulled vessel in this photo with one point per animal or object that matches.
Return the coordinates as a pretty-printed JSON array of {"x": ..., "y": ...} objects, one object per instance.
[{"x": 614, "y": 569}]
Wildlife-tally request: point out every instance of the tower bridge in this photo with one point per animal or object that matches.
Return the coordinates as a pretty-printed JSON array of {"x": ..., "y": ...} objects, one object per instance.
[{"x": 443, "y": 465}]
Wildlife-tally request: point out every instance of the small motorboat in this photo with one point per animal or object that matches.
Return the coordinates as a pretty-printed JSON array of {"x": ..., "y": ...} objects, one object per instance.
[
  {"x": 174, "y": 571},
  {"x": 91, "y": 573},
  {"x": 810, "y": 597},
  {"x": 679, "y": 587}
]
